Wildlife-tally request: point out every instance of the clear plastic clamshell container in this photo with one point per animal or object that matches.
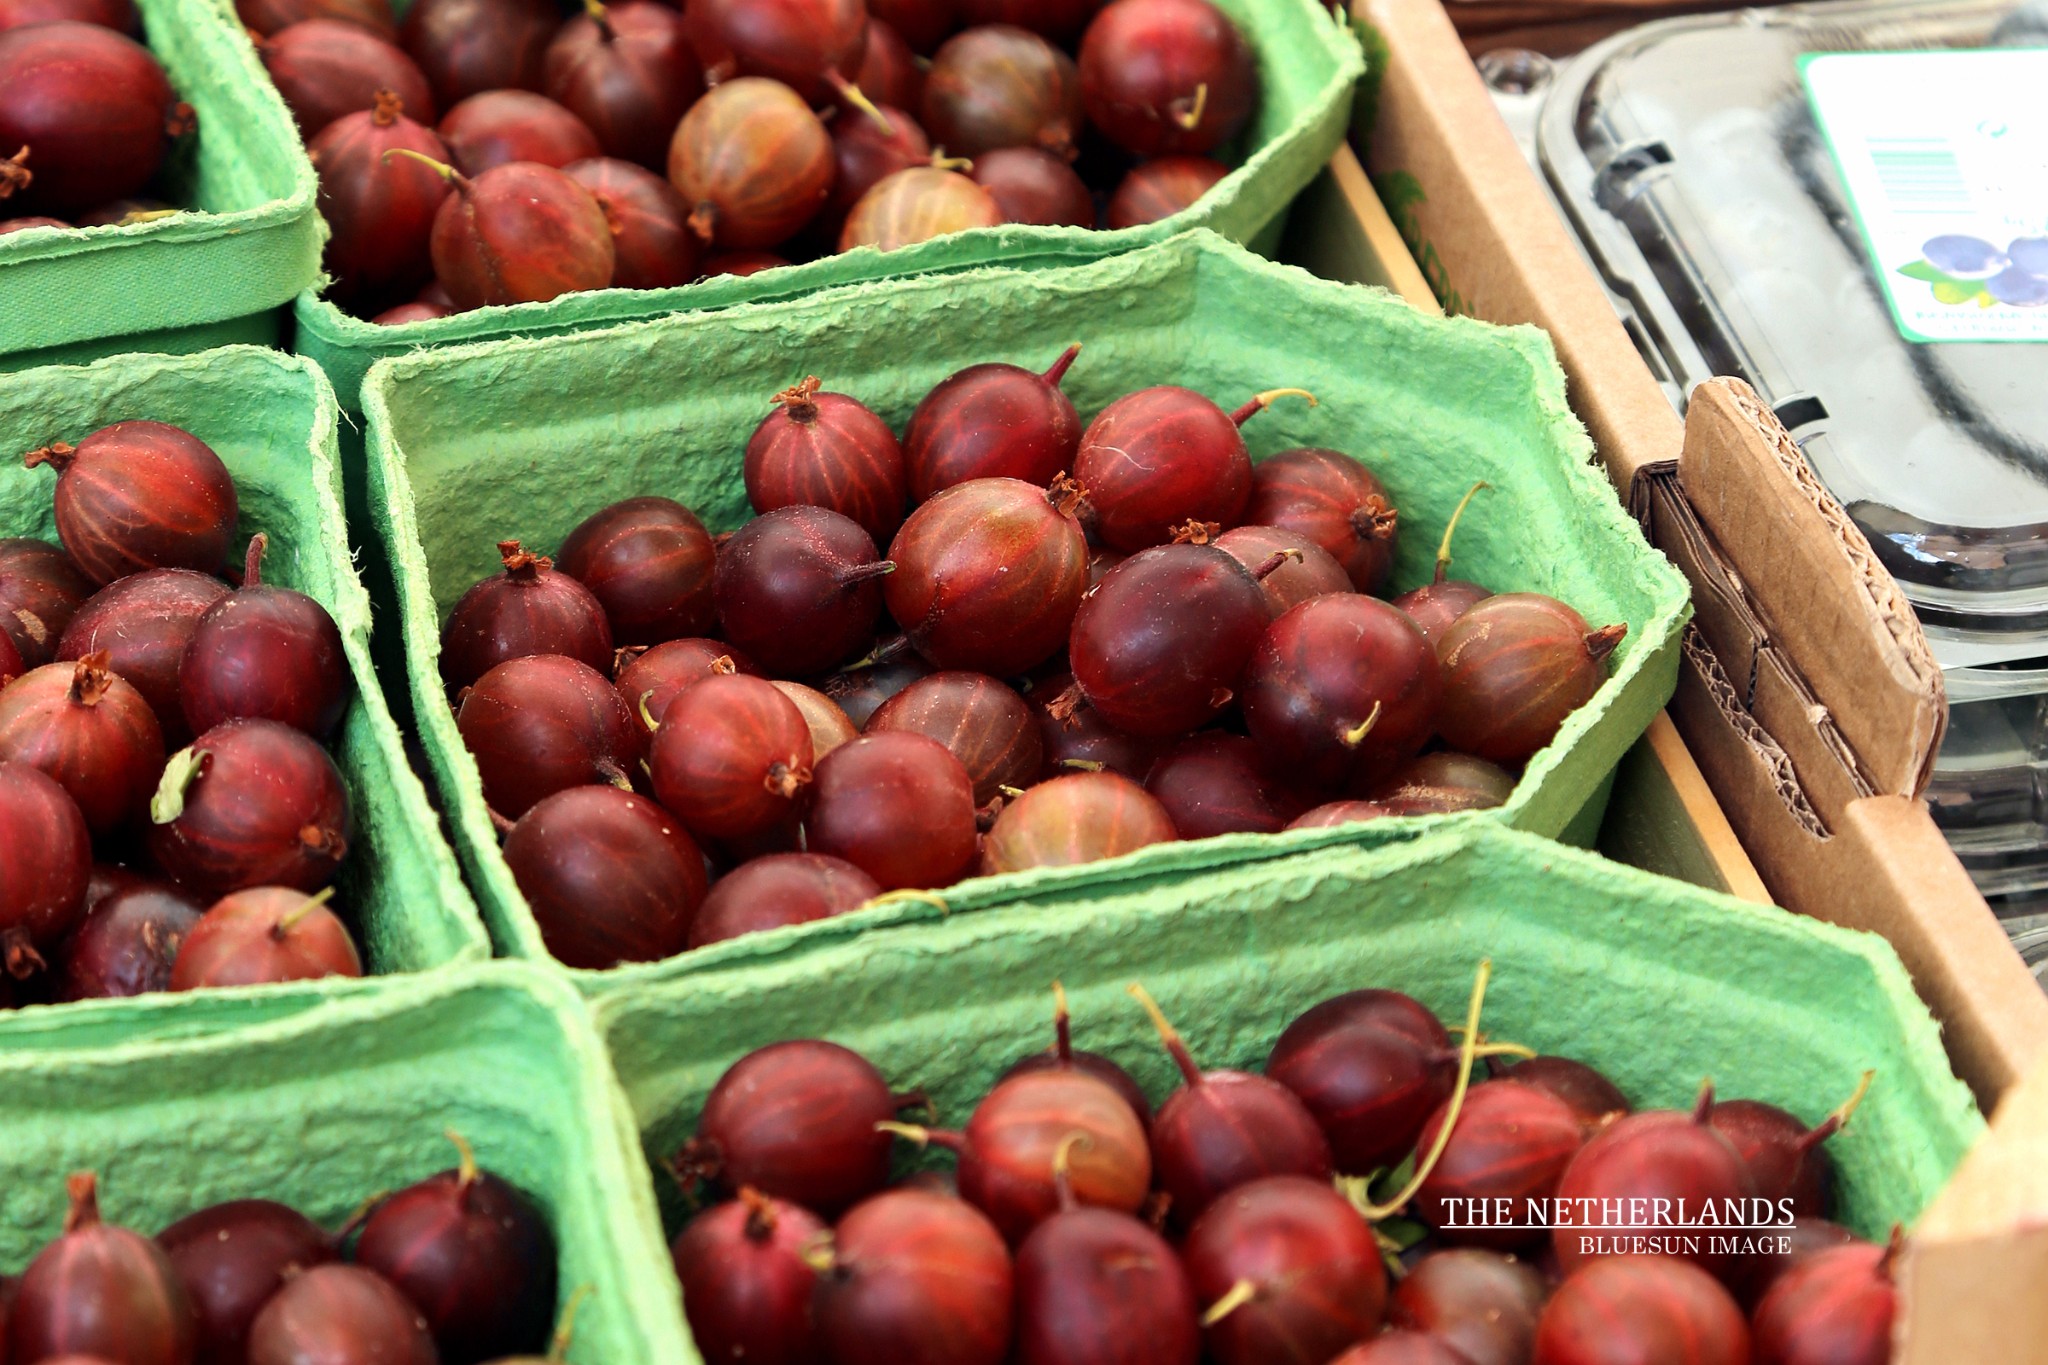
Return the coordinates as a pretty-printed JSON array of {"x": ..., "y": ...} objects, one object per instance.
[{"x": 1688, "y": 161}]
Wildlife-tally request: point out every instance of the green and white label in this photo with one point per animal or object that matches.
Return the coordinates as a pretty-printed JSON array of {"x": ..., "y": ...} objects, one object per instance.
[{"x": 1945, "y": 155}]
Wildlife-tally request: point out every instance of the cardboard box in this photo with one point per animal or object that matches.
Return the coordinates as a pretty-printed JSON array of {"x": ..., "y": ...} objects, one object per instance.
[{"x": 1808, "y": 696}]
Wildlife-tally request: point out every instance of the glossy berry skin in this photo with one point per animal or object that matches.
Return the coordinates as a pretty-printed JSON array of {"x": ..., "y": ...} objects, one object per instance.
[
  {"x": 628, "y": 71},
  {"x": 1400, "y": 1347},
  {"x": 610, "y": 877},
  {"x": 860, "y": 692},
  {"x": 118, "y": 15},
  {"x": 1156, "y": 190},
  {"x": 100, "y": 1290},
  {"x": 531, "y": 609},
  {"x": 1835, "y": 1307},
  {"x": 649, "y": 680},
  {"x": 1636, "y": 1310},
  {"x": 95, "y": 110},
  {"x": 992, "y": 421},
  {"x": 916, "y": 205},
  {"x": 1337, "y": 814},
  {"x": 996, "y": 86},
  {"x": 921, "y": 23},
  {"x": 466, "y": 47},
  {"x": 340, "y": 1313},
  {"x": 753, "y": 162},
  {"x": 1034, "y": 187},
  {"x": 796, "y": 1120},
  {"x": 652, "y": 245},
  {"x": 1442, "y": 782},
  {"x": 262, "y": 805},
  {"x": 889, "y": 74},
  {"x": 544, "y": 724},
  {"x": 141, "y": 495},
  {"x": 91, "y": 732},
  {"x": 1308, "y": 573},
  {"x": 750, "y": 1289},
  {"x": 1784, "y": 1156},
  {"x": 232, "y": 1258},
  {"x": 866, "y": 154},
  {"x": 127, "y": 941},
  {"x": 818, "y": 449},
  {"x": 1342, "y": 690},
  {"x": 989, "y": 575},
  {"x": 1085, "y": 738},
  {"x": 1160, "y": 457},
  {"x": 380, "y": 213},
  {"x": 328, "y": 68},
  {"x": 1371, "y": 1066},
  {"x": 920, "y": 1278},
  {"x": 830, "y": 727},
  {"x": 1515, "y": 667},
  {"x": 261, "y": 936},
  {"x": 1318, "y": 1284},
  {"x": 265, "y": 653},
  {"x": 521, "y": 233},
  {"x": 732, "y": 758},
  {"x": 1334, "y": 501},
  {"x": 648, "y": 562},
  {"x": 1082, "y": 817},
  {"x": 1060, "y": 20},
  {"x": 1436, "y": 607},
  {"x": 1480, "y": 1303},
  {"x": 474, "y": 1254},
  {"x": 1511, "y": 1142},
  {"x": 144, "y": 624},
  {"x": 809, "y": 45},
  {"x": 1655, "y": 1154},
  {"x": 40, "y": 591},
  {"x": 270, "y": 16},
  {"x": 1593, "y": 1097},
  {"x": 1095, "y": 1287},
  {"x": 1224, "y": 1129},
  {"x": 1009, "y": 1149},
  {"x": 1093, "y": 1064},
  {"x": 984, "y": 723},
  {"x": 897, "y": 805},
  {"x": 796, "y": 588},
  {"x": 779, "y": 890},
  {"x": 1160, "y": 645},
  {"x": 46, "y": 856},
  {"x": 1802, "y": 1238},
  {"x": 498, "y": 127},
  {"x": 1214, "y": 783},
  {"x": 1160, "y": 77}
]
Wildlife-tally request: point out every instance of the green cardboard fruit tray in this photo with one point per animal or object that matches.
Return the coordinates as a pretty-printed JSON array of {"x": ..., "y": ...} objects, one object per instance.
[
  {"x": 526, "y": 438},
  {"x": 251, "y": 245},
  {"x": 272, "y": 417},
  {"x": 322, "y": 1097},
  {"x": 1656, "y": 982},
  {"x": 1308, "y": 66}
]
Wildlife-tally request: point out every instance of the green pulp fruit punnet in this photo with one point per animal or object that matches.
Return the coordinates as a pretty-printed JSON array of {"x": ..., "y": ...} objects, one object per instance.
[
  {"x": 192, "y": 279},
  {"x": 1656, "y": 982},
  {"x": 272, "y": 418},
  {"x": 1308, "y": 67},
  {"x": 327, "y": 1096},
  {"x": 520, "y": 438}
]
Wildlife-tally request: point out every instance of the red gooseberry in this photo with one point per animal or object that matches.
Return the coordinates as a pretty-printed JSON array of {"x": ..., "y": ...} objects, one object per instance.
[
  {"x": 1515, "y": 667},
  {"x": 896, "y": 804},
  {"x": 827, "y": 450},
  {"x": 1167, "y": 76},
  {"x": 264, "y": 935},
  {"x": 779, "y": 890},
  {"x": 743, "y": 1269},
  {"x": 1334, "y": 501},
  {"x": 993, "y": 421},
  {"x": 610, "y": 877},
  {"x": 530, "y": 609},
  {"x": 649, "y": 564},
  {"x": 141, "y": 495},
  {"x": 250, "y": 803},
  {"x": 542, "y": 724},
  {"x": 91, "y": 732},
  {"x": 732, "y": 758},
  {"x": 1082, "y": 817},
  {"x": 753, "y": 162},
  {"x": 1623, "y": 1310}
]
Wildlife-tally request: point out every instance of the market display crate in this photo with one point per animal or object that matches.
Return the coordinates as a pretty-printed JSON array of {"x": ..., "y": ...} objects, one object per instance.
[
  {"x": 526, "y": 438},
  {"x": 220, "y": 272},
  {"x": 1308, "y": 65},
  {"x": 271, "y": 418},
  {"x": 345, "y": 1092},
  {"x": 1769, "y": 1006},
  {"x": 1808, "y": 693}
]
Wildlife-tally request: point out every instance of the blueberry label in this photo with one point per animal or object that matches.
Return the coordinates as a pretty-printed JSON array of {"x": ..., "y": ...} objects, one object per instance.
[{"x": 1945, "y": 156}]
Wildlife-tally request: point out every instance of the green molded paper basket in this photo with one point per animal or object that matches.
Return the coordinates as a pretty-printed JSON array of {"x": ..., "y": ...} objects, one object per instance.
[
  {"x": 253, "y": 243},
  {"x": 1656, "y": 982},
  {"x": 348, "y": 1093},
  {"x": 272, "y": 419},
  {"x": 1308, "y": 66},
  {"x": 526, "y": 438}
]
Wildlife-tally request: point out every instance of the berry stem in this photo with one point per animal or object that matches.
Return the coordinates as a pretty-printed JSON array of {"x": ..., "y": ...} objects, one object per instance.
[
  {"x": 854, "y": 96},
  {"x": 180, "y": 772},
  {"x": 1176, "y": 1046},
  {"x": 90, "y": 681},
  {"x": 14, "y": 173},
  {"x": 601, "y": 17},
  {"x": 1062, "y": 1026},
  {"x": 861, "y": 573},
  {"x": 1060, "y": 367},
  {"x": 1190, "y": 118},
  {"x": 1467, "y": 1054},
  {"x": 800, "y": 401},
  {"x": 19, "y": 951},
  {"x": 290, "y": 920},
  {"x": 1602, "y": 642},
  {"x": 760, "y": 1213},
  {"x": 1272, "y": 566},
  {"x": 387, "y": 108},
  {"x": 252, "y": 562},
  {"x": 1355, "y": 736},
  {"x": 1266, "y": 400},
  {"x": 1443, "y": 549},
  {"x": 565, "y": 1331},
  {"x": 461, "y": 182},
  {"x": 923, "y": 1136},
  {"x": 521, "y": 565},
  {"x": 1836, "y": 1121},
  {"x": 1239, "y": 1294},
  {"x": 1063, "y": 1170},
  {"x": 84, "y": 1189},
  {"x": 465, "y": 1171},
  {"x": 58, "y": 455},
  {"x": 1704, "y": 1104}
]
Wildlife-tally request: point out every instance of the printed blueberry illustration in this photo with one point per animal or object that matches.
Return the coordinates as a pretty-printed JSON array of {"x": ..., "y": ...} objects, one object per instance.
[
  {"x": 2029, "y": 254},
  {"x": 2018, "y": 288},
  {"x": 1963, "y": 258}
]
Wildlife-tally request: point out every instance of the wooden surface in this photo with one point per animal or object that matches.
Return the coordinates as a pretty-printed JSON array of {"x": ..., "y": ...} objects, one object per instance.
[{"x": 1663, "y": 817}]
